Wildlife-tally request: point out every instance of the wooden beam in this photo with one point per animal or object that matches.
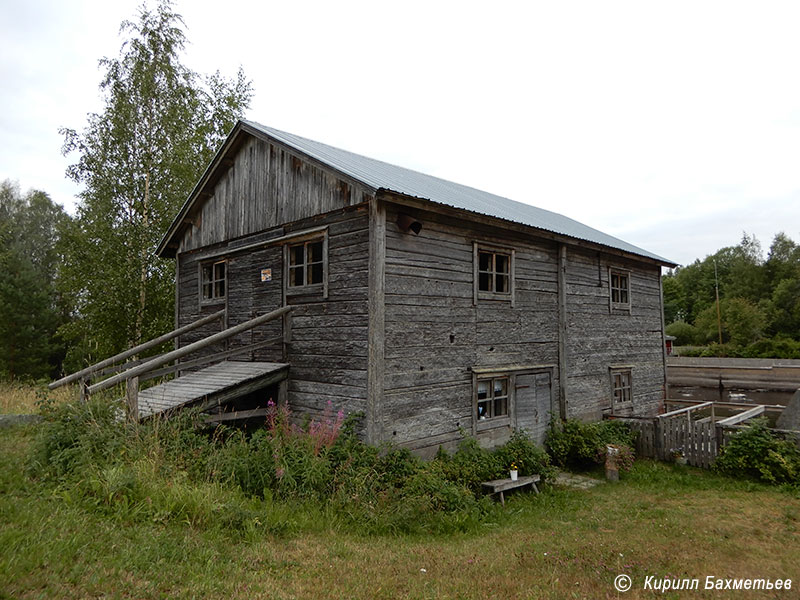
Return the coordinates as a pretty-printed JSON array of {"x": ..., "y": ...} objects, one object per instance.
[
  {"x": 377, "y": 320},
  {"x": 562, "y": 331},
  {"x": 135, "y": 350},
  {"x": 185, "y": 350},
  {"x": 742, "y": 416},
  {"x": 237, "y": 415},
  {"x": 685, "y": 410}
]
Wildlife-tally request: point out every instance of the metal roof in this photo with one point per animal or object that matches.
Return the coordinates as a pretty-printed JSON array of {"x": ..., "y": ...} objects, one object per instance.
[{"x": 381, "y": 175}]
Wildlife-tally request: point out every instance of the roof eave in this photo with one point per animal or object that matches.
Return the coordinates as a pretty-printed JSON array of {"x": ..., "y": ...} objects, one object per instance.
[{"x": 554, "y": 235}]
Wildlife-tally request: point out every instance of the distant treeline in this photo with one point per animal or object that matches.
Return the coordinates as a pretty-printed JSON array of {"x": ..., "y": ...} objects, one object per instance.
[{"x": 759, "y": 301}]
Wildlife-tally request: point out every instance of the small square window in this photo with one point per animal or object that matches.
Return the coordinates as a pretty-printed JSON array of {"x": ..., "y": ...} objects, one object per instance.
[
  {"x": 306, "y": 265},
  {"x": 492, "y": 397}
]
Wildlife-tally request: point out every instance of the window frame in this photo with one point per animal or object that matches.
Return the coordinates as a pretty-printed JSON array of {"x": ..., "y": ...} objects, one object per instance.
[
  {"x": 479, "y": 248},
  {"x": 501, "y": 420},
  {"x": 213, "y": 281},
  {"x": 618, "y": 305},
  {"x": 622, "y": 401},
  {"x": 306, "y": 289}
]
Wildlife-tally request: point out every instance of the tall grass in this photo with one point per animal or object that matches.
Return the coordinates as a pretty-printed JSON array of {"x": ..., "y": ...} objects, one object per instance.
[
  {"x": 24, "y": 399},
  {"x": 269, "y": 480}
]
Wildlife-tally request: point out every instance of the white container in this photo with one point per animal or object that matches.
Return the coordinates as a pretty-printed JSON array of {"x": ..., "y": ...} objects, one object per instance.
[{"x": 514, "y": 474}]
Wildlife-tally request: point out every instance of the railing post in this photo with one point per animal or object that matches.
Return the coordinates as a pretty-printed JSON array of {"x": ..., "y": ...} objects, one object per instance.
[
  {"x": 84, "y": 389},
  {"x": 132, "y": 398}
]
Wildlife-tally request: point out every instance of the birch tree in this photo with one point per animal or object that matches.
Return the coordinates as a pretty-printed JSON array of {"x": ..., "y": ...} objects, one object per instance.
[{"x": 138, "y": 160}]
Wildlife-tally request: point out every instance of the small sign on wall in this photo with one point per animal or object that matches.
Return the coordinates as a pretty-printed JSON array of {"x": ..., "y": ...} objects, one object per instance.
[{"x": 266, "y": 274}]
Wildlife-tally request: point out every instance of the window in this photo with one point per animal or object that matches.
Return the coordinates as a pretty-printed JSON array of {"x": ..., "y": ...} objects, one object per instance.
[
  {"x": 621, "y": 383},
  {"x": 212, "y": 281},
  {"x": 620, "y": 289},
  {"x": 494, "y": 274},
  {"x": 492, "y": 398},
  {"x": 306, "y": 265},
  {"x": 305, "y": 262}
]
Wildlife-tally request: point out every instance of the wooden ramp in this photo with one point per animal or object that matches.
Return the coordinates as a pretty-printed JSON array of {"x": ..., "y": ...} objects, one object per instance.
[{"x": 210, "y": 387}]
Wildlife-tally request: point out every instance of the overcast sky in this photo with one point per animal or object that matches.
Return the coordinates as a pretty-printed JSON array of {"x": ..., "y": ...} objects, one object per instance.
[{"x": 672, "y": 125}]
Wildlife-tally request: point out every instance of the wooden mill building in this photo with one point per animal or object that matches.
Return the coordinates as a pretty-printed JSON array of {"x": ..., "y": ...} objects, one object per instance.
[{"x": 432, "y": 307}]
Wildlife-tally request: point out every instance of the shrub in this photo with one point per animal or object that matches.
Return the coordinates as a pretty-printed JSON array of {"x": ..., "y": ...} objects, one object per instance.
[
  {"x": 685, "y": 334},
  {"x": 180, "y": 469},
  {"x": 579, "y": 445},
  {"x": 757, "y": 453}
]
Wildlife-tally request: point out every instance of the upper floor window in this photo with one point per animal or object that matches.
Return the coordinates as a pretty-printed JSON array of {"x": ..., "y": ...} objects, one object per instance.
[
  {"x": 494, "y": 273},
  {"x": 306, "y": 266},
  {"x": 620, "y": 289},
  {"x": 212, "y": 281}
]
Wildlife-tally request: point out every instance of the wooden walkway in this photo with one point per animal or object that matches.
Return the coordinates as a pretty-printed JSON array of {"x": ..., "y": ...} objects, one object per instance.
[{"x": 210, "y": 387}]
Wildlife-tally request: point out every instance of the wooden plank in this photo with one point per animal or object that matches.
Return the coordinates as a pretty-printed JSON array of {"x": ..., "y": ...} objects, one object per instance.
[
  {"x": 237, "y": 415},
  {"x": 562, "y": 332},
  {"x": 743, "y": 416}
]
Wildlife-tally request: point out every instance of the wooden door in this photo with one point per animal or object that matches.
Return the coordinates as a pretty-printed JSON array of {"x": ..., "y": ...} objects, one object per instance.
[{"x": 533, "y": 404}]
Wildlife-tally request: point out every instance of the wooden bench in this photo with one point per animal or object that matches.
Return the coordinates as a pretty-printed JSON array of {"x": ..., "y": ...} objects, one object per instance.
[{"x": 498, "y": 486}]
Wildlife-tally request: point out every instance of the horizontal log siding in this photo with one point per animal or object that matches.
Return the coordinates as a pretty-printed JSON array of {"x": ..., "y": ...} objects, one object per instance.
[
  {"x": 598, "y": 339},
  {"x": 266, "y": 186},
  {"x": 435, "y": 334},
  {"x": 328, "y": 348}
]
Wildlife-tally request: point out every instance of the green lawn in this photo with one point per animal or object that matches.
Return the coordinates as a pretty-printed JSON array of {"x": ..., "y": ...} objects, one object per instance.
[{"x": 660, "y": 520}]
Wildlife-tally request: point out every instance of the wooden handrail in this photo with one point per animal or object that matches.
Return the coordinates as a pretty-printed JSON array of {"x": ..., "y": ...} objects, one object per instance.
[
  {"x": 181, "y": 352},
  {"x": 135, "y": 350},
  {"x": 685, "y": 410},
  {"x": 205, "y": 360},
  {"x": 742, "y": 416}
]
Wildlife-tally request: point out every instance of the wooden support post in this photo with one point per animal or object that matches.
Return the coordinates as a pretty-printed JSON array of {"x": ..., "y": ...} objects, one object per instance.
[
  {"x": 132, "y": 398},
  {"x": 84, "y": 385},
  {"x": 562, "y": 331}
]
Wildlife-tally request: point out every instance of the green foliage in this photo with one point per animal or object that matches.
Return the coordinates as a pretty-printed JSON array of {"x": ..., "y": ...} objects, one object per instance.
[
  {"x": 758, "y": 298},
  {"x": 138, "y": 160},
  {"x": 582, "y": 445},
  {"x": 30, "y": 309},
  {"x": 742, "y": 322},
  {"x": 181, "y": 470},
  {"x": 757, "y": 453},
  {"x": 684, "y": 333}
]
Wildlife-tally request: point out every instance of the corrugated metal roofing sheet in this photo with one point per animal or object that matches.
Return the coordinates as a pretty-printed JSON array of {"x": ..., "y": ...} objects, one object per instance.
[{"x": 381, "y": 175}]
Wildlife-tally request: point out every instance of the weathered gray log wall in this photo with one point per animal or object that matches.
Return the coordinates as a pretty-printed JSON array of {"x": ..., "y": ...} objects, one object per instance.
[
  {"x": 436, "y": 334},
  {"x": 327, "y": 347},
  {"x": 269, "y": 193},
  {"x": 599, "y": 338},
  {"x": 266, "y": 186}
]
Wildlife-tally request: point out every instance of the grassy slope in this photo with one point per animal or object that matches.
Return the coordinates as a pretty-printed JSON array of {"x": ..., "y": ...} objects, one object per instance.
[{"x": 560, "y": 544}]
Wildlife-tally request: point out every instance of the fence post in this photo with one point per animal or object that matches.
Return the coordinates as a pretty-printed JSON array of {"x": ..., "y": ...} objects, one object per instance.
[
  {"x": 132, "y": 397},
  {"x": 658, "y": 441}
]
